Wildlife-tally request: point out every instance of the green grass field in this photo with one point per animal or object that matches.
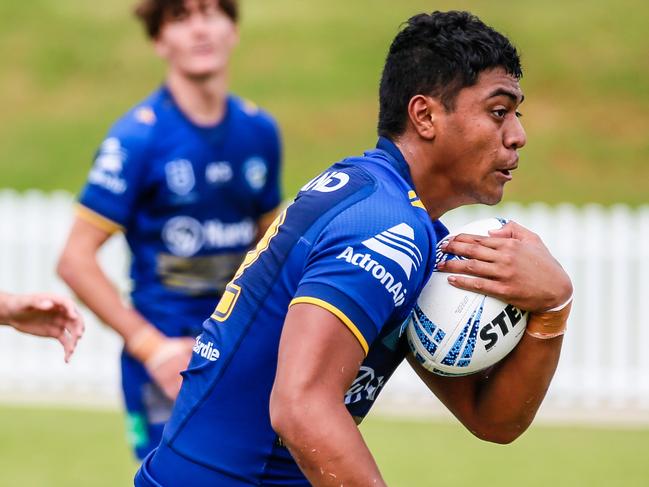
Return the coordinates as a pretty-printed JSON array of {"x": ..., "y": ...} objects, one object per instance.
[
  {"x": 71, "y": 67},
  {"x": 69, "y": 448}
]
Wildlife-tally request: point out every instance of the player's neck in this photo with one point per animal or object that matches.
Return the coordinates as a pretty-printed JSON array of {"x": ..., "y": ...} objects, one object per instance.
[
  {"x": 203, "y": 101},
  {"x": 432, "y": 187}
]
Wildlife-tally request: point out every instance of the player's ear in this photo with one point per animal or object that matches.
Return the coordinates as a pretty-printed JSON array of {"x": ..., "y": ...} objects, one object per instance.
[{"x": 423, "y": 112}]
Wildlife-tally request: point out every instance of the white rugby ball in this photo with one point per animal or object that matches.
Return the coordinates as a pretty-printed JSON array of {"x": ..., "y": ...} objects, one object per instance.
[{"x": 455, "y": 332}]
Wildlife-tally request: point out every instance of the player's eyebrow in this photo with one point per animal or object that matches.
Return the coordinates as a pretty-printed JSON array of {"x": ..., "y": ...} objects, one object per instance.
[{"x": 513, "y": 95}]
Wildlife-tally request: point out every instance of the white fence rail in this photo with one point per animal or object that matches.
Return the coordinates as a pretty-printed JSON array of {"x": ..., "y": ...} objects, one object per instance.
[{"x": 604, "y": 365}]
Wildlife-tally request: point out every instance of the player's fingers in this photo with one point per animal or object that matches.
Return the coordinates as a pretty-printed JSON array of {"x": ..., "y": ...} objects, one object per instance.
[
  {"x": 74, "y": 330},
  {"x": 64, "y": 306},
  {"x": 69, "y": 343},
  {"x": 43, "y": 304},
  {"x": 75, "y": 333},
  {"x": 477, "y": 284},
  {"x": 471, "y": 267},
  {"x": 491, "y": 242},
  {"x": 471, "y": 250},
  {"x": 76, "y": 327}
]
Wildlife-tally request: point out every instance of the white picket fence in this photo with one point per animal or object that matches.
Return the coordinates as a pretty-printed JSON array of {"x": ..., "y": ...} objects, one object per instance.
[{"x": 604, "y": 364}]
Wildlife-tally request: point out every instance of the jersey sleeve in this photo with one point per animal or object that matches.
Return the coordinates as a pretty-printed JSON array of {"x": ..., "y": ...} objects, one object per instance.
[
  {"x": 364, "y": 269},
  {"x": 271, "y": 194},
  {"x": 113, "y": 183}
]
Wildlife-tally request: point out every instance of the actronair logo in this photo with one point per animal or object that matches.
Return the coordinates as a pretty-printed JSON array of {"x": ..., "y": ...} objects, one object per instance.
[
  {"x": 396, "y": 244},
  {"x": 206, "y": 350}
]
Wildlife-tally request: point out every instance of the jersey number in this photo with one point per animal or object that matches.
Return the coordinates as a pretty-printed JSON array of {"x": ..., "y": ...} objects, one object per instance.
[{"x": 232, "y": 291}]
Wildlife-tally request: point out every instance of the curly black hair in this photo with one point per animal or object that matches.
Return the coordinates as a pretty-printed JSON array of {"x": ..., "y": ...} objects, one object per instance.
[{"x": 438, "y": 54}]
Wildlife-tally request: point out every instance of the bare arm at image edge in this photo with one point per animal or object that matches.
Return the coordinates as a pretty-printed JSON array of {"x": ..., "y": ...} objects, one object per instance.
[{"x": 45, "y": 315}]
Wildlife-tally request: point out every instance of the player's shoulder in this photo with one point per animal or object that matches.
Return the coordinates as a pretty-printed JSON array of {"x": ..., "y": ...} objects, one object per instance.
[
  {"x": 365, "y": 197},
  {"x": 249, "y": 112},
  {"x": 139, "y": 123}
]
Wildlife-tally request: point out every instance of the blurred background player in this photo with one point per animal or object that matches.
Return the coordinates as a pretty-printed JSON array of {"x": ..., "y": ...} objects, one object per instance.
[
  {"x": 191, "y": 177},
  {"x": 310, "y": 328},
  {"x": 45, "y": 315}
]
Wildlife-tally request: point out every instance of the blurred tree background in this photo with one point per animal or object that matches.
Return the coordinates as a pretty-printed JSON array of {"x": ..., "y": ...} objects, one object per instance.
[{"x": 71, "y": 67}]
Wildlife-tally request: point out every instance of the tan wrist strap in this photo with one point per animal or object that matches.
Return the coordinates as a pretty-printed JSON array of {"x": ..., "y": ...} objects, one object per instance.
[
  {"x": 550, "y": 324},
  {"x": 145, "y": 343}
]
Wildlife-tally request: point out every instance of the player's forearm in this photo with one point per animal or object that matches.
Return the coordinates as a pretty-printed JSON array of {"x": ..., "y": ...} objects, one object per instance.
[
  {"x": 326, "y": 444},
  {"x": 5, "y": 317},
  {"x": 84, "y": 276},
  {"x": 508, "y": 400}
]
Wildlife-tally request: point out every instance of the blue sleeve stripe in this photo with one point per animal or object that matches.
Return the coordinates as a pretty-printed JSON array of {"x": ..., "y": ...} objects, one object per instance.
[
  {"x": 96, "y": 219},
  {"x": 339, "y": 314}
]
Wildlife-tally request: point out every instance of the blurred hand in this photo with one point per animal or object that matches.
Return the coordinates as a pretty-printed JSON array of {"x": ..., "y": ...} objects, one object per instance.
[
  {"x": 511, "y": 264},
  {"x": 45, "y": 315},
  {"x": 169, "y": 359}
]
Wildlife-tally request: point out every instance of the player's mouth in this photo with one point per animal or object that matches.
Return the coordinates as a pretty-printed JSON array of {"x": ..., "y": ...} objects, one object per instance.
[
  {"x": 506, "y": 170},
  {"x": 203, "y": 49}
]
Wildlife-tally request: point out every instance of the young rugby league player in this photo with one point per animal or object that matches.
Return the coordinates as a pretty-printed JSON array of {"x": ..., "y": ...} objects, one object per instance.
[
  {"x": 191, "y": 176},
  {"x": 310, "y": 328}
]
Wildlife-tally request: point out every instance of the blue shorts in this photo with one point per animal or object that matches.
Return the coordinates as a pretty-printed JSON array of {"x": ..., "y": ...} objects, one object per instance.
[{"x": 165, "y": 468}]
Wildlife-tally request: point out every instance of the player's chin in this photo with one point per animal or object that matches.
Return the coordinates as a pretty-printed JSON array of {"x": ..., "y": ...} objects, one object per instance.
[
  {"x": 203, "y": 68},
  {"x": 492, "y": 195}
]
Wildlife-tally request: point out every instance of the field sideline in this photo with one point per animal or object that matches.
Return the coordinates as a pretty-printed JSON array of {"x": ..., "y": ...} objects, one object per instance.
[{"x": 69, "y": 448}]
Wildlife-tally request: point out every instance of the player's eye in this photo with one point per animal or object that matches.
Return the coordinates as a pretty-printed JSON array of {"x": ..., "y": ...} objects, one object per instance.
[
  {"x": 178, "y": 15},
  {"x": 210, "y": 10},
  {"x": 500, "y": 113},
  {"x": 518, "y": 114}
]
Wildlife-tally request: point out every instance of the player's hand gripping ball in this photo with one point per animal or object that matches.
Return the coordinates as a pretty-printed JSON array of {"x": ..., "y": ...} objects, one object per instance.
[{"x": 456, "y": 332}]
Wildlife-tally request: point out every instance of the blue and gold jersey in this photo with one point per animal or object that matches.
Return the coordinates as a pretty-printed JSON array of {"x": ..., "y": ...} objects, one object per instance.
[
  {"x": 186, "y": 196},
  {"x": 356, "y": 241}
]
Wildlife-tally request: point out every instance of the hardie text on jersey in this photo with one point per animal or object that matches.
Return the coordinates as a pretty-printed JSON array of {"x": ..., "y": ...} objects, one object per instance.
[{"x": 206, "y": 350}]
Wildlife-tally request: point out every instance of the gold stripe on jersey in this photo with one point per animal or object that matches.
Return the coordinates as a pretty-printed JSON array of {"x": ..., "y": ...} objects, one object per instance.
[
  {"x": 414, "y": 200},
  {"x": 99, "y": 221},
  {"x": 339, "y": 314}
]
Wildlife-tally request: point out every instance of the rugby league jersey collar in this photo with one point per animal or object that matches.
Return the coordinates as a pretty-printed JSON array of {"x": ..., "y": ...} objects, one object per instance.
[{"x": 395, "y": 159}]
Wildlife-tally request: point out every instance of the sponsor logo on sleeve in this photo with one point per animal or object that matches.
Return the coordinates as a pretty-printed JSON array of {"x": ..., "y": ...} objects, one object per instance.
[
  {"x": 327, "y": 182},
  {"x": 106, "y": 171},
  {"x": 396, "y": 244},
  {"x": 180, "y": 176}
]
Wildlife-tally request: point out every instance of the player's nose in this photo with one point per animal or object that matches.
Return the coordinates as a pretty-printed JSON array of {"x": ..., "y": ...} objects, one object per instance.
[{"x": 515, "y": 136}]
